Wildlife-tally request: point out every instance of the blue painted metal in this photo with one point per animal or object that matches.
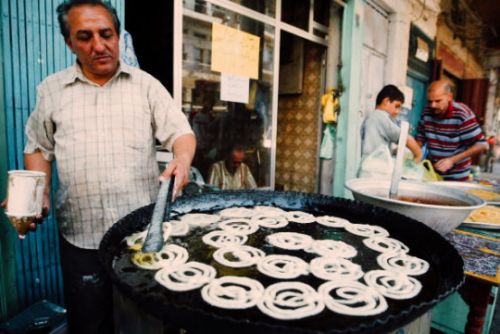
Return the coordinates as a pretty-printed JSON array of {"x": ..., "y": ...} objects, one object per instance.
[
  {"x": 32, "y": 48},
  {"x": 419, "y": 86}
]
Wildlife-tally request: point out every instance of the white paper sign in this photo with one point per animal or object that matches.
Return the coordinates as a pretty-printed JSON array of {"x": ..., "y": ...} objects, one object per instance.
[{"x": 234, "y": 88}]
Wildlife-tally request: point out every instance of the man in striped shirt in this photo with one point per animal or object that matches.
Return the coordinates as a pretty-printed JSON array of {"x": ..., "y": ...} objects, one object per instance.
[{"x": 451, "y": 132}]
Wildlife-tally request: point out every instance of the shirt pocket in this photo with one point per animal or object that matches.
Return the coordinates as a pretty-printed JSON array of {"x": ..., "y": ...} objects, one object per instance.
[{"x": 137, "y": 129}]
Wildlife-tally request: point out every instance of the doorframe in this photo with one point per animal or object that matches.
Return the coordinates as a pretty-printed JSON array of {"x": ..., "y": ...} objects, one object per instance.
[{"x": 345, "y": 155}]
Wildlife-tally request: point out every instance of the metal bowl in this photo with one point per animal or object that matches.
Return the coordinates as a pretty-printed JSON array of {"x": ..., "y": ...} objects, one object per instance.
[{"x": 442, "y": 217}]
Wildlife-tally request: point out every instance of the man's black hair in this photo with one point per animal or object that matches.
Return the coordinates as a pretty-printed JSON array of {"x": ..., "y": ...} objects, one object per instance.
[
  {"x": 392, "y": 93},
  {"x": 64, "y": 8}
]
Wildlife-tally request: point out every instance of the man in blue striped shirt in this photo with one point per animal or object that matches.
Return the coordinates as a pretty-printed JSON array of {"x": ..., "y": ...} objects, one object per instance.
[{"x": 451, "y": 132}]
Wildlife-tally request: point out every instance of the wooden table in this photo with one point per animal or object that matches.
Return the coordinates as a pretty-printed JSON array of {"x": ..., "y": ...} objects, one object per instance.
[{"x": 481, "y": 253}]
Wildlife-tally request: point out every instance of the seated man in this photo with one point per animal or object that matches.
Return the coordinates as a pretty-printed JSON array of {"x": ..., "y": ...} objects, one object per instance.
[{"x": 232, "y": 173}]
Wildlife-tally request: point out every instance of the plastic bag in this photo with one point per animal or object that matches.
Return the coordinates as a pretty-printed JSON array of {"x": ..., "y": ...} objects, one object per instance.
[
  {"x": 422, "y": 171},
  {"x": 328, "y": 142},
  {"x": 331, "y": 104},
  {"x": 378, "y": 164},
  {"x": 430, "y": 174}
]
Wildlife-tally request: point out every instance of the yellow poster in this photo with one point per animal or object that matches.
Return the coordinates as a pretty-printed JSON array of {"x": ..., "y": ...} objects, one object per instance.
[{"x": 235, "y": 52}]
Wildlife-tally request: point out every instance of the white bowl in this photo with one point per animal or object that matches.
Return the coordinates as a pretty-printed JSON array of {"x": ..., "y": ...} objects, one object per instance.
[{"x": 442, "y": 216}]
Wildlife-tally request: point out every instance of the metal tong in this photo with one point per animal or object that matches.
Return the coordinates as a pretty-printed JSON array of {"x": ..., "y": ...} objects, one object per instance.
[{"x": 154, "y": 239}]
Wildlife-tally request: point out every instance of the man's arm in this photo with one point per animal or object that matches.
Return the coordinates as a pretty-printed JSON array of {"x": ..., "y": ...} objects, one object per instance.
[
  {"x": 414, "y": 147},
  {"x": 183, "y": 148},
  {"x": 445, "y": 164}
]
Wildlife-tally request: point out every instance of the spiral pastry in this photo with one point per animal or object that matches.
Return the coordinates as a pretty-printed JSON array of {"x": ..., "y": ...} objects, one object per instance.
[
  {"x": 392, "y": 284},
  {"x": 199, "y": 219},
  {"x": 136, "y": 240},
  {"x": 385, "y": 244},
  {"x": 333, "y": 248},
  {"x": 352, "y": 298},
  {"x": 332, "y": 221},
  {"x": 300, "y": 217},
  {"x": 232, "y": 292},
  {"x": 365, "y": 230},
  {"x": 238, "y": 256},
  {"x": 179, "y": 228},
  {"x": 188, "y": 276},
  {"x": 269, "y": 211},
  {"x": 335, "y": 268},
  {"x": 290, "y": 240},
  {"x": 219, "y": 239},
  {"x": 403, "y": 263},
  {"x": 239, "y": 226},
  {"x": 168, "y": 256},
  {"x": 282, "y": 266},
  {"x": 269, "y": 221},
  {"x": 290, "y": 300}
]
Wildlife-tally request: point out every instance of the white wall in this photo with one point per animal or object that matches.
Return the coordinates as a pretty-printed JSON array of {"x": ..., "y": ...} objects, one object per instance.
[{"x": 401, "y": 15}]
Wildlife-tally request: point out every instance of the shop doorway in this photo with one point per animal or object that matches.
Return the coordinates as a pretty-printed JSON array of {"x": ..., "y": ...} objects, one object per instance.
[
  {"x": 152, "y": 38},
  {"x": 299, "y": 114}
]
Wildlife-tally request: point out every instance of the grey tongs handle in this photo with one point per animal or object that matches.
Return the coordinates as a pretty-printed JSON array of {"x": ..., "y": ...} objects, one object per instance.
[{"x": 154, "y": 239}]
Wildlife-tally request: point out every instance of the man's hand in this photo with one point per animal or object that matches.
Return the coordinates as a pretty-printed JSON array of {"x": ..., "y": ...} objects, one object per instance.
[
  {"x": 39, "y": 219},
  {"x": 180, "y": 169},
  {"x": 183, "y": 149},
  {"x": 45, "y": 212},
  {"x": 444, "y": 165},
  {"x": 417, "y": 158}
]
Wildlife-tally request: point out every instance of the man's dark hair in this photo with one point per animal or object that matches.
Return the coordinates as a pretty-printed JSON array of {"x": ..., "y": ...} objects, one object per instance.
[
  {"x": 392, "y": 93},
  {"x": 64, "y": 8}
]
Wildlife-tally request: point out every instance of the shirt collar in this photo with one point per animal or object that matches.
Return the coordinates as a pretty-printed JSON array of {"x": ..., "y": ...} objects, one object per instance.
[
  {"x": 450, "y": 110},
  {"x": 75, "y": 73}
]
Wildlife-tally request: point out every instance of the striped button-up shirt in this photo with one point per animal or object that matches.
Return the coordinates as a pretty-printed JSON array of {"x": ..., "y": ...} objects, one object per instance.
[
  {"x": 450, "y": 135},
  {"x": 103, "y": 140}
]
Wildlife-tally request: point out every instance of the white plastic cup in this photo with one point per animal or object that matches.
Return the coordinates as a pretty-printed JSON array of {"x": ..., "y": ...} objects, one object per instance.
[
  {"x": 25, "y": 193},
  {"x": 24, "y": 198}
]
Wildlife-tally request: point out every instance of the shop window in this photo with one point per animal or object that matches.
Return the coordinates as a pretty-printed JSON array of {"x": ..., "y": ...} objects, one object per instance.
[
  {"x": 322, "y": 11},
  {"x": 262, "y": 6},
  {"x": 217, "y": 123},
  {"x": 200, "y": 6},
  {"x": 200, "y": 36},
  {"x": 296, "y": 13},
  {"x": 198, "y": 55}
]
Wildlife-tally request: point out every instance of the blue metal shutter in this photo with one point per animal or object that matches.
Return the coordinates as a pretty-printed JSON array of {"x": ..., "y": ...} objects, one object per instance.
[{"x": 32, "y": 49}]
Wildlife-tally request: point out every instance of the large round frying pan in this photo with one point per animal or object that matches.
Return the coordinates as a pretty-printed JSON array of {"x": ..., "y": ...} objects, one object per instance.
[{"x": 187, "y": 310}]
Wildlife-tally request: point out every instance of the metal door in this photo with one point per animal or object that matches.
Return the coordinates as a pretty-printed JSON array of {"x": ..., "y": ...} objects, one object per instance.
[{"x": 419, "y": 86}]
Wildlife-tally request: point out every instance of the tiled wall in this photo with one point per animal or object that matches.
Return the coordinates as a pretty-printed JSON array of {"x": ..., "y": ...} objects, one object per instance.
[{"x": 297, "y": 137}]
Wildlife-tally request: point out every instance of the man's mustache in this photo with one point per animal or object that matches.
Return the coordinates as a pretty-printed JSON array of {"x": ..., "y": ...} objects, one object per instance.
[{"x": 102, "y": 55}]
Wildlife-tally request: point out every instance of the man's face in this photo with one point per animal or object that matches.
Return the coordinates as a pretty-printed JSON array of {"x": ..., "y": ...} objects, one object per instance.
[
  {"x": 94, "y": 40},
  {"x": 439, "y": 100},
  {"x": 237, "y": 156}
]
